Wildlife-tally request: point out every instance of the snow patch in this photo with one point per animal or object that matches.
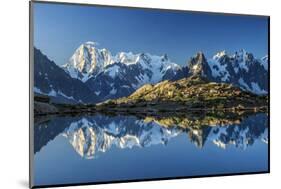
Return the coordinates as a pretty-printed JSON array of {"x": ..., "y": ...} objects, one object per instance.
[
  {"x": 113, "y": 71},
  {"x": 219, "y": 70},
  {"x": 243, "y": 65},
  {"x": 37, "y": 90},
  {"x": 113, "y": 91},
  {"x": 256, "y": 88},
  {"x": 264, "y": 62},
  {"x": 65, "y": 96},
  {"x": 125, "y": 86},
  {"x": 92, "y": 43},
  {"x": 244, "y": 84},
  {"x": 52, "y": 93},
  {"x": 219, "y": 55}
]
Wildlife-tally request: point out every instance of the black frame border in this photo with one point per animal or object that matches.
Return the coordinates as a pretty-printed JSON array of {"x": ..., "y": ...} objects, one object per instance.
[{"x": 31, "y": 63}]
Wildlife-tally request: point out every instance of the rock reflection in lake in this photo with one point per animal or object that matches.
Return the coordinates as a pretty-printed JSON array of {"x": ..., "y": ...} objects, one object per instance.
[
  {"x": 94, "y": 134},
  {"x": 201, "y": 144}
]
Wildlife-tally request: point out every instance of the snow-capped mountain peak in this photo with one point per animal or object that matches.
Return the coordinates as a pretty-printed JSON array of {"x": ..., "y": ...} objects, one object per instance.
[
  {"x": 126, "y": 57},
  {"x": 264, "y": 62},
  {"x": 241, "y": 69},
  {"x": 164, "y": 57},
  {"x": 87, "y": 60},
  {"x": 91, "y": 43},
  {"x": 243, "y": 55},
  {"x": 139, "y": 58},
  {"x": 142, "y": 68},
  {"x": 106, "y": 77},
  {"x": 219, "y": 55}
]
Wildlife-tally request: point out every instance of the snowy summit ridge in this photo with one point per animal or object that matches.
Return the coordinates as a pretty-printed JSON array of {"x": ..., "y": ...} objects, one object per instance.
[{"x": 88, "y": 61}]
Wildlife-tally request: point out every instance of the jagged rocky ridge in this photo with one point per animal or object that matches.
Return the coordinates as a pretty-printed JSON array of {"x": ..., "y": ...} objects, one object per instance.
[
  {"x": 109, "y": 77},
  {"x": 116, "y": 76},
  {"x": 241, "y": 69}
]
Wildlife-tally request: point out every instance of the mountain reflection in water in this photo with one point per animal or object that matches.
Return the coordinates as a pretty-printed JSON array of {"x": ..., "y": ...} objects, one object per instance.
[{"x": 91, "y": 136}]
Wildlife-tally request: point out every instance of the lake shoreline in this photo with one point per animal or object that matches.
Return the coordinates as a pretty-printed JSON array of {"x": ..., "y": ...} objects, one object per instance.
[{"x": 89, "y": 110}]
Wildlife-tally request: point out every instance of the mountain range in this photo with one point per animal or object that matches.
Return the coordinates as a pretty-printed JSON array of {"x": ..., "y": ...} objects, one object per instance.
[{"x": 94, "y": 75}]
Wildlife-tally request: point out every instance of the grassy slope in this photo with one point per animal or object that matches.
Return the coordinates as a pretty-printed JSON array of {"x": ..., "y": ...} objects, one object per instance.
[{"x": 191, "y": 93}]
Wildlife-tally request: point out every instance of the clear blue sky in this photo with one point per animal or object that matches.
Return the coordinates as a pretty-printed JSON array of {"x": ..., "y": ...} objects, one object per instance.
[{"x": 60, "y": 29}]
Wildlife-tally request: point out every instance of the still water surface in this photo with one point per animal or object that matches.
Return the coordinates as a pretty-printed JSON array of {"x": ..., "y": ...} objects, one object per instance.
[{"x": 102, "y": 148}]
